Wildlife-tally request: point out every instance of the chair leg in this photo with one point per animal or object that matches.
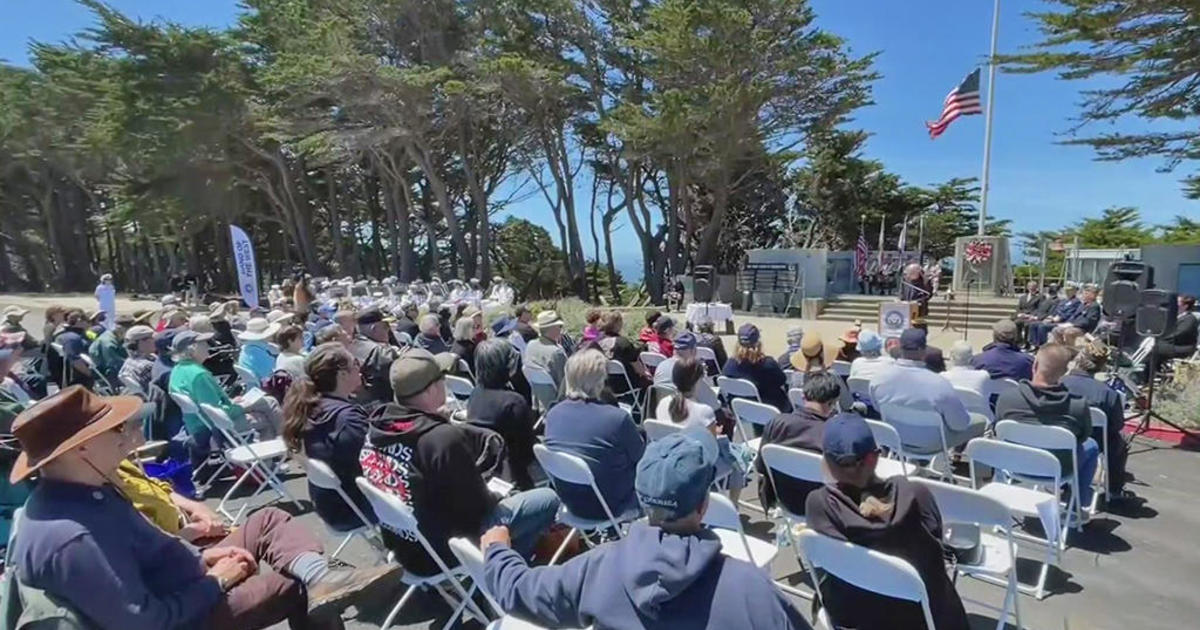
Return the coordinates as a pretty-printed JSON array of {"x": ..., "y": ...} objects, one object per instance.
[
  {"x": 563, "y": 547},
  {"x": 1016, "y": 598},
  {"x": 387, "y": 623},
  {"x": 342, "y": 546},
  {"x": 229, "y": 493}
]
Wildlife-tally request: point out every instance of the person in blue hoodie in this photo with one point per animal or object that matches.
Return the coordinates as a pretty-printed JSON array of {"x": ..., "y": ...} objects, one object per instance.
[
  {"x": 257, "y": 354},
  {"x": 669, "y": 573}
]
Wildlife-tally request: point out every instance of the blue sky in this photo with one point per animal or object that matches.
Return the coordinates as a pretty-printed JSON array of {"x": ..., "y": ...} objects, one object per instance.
[{"x": 926, "y": 47}]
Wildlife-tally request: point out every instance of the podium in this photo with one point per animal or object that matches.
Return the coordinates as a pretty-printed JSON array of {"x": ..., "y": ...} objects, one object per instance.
[{"x": 896, "y": 317}]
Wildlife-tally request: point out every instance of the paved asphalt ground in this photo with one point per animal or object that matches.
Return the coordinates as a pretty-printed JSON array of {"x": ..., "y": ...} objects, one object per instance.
[{"x": 1135, "y": 569}]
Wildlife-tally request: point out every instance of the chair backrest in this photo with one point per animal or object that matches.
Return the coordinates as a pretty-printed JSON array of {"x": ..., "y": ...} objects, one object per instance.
[
  {"x": 859, "y": 385},
  {"x": 87, "y": 358},
  {"x": 465, "y": 367},
  {"x": 886, "y": 435},
  {"x": 185, "y": 403},
  {"x": 401, "y": 519},
  {"x": 537, "y": 375},
  {"x": 249, "y": 381},
  {"x": 459, "y": 387},
  {"x": 753, "y": 412},
  {"x": 1099, "y": 418},
  {"x": 1012, "y": 457},
  {"x": 571, "y": 469},
  {"x": 722, "y": 513},
  {"x": 470, "y": 558},
  {"x": 133, "y": 386},
  {"x": 867, "y": 569},
  {"x": 960, "y": 504},
  {"x": 793, "y": 462},
  {"x": 974, "y": 401},
  {"x": 1035, "y": 435},
  {"x": 615, "y": 368},
  {"x": 222, "y": 421},
  {"x": 704, "y": 353},
  {"x": 737, "y": 388},
  {"x": 659, "y": 392},
  {"x": 796, "y": 397},
  {"x": 651, "y": 359},
  {"x": 996, "y": 386},
  {"x": 660, "y": 428},
  {"x": 902, "y": 417},
  {"x": 841, "y": 368},
  {"x": 320, "y": 474}
]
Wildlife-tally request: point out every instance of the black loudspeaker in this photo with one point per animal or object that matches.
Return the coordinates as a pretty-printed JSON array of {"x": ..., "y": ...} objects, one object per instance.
[
  {"x": 1157, "y": 312},
  {"x": 704, "y": 279},
  {"x": 1123, "y": 287}
]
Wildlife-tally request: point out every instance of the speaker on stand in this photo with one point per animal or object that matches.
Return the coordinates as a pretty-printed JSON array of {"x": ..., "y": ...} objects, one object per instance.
[
  {"x": 1155, "y": 316},
  {"x": 704, "y": 283}
]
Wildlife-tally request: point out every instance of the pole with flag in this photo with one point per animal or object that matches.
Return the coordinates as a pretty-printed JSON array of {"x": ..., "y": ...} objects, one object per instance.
[
  {"x": 987, "y": 127},
  {"x": 902, "y": 244},
  {"x": 860, "y": 252},
  {"x": 881, "y": 219},
  {"x": 921, "y": 238}
]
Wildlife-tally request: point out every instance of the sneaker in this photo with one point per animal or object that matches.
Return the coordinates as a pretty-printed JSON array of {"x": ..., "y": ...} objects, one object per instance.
[{"x": 340, "y": 586}]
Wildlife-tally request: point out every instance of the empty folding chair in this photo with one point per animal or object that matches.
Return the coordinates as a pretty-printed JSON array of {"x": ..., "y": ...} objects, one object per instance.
[
  {"x": 568, "y": 468},
  {"x": 867, "y": 569},
  {"x": 1052, "y": 439},
  {"x": 322, "y": 476},
  {"x": 400, "y": 518},
  {"x": 1024, "y": 501},
  {"x": 723, "y": 519},
  {"x": 997, "y": 552},
  {"x": 260, "y": 459},
  {"x": 617, "y": 369}
]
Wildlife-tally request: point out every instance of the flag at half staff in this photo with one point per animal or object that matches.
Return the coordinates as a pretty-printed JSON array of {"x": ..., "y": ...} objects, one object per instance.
[{"x": 963, "y": 100}]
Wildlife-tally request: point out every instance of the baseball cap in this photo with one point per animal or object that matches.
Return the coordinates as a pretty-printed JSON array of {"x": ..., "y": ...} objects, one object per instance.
[
  {"x": 870, "y": 341},
  {"x": 370, "y": 316},
  {"x": 415, "y": 369},
  {"x": 185, "y": 338},
  {"x": 912, "y": 339},
  {"x": 847, "y": 439},
  {"x": 685, "y": 341},
  {"x": 138, "y": 333},
  {"x": 748, "y": 335},
  {"x": 675, "y": 472}
]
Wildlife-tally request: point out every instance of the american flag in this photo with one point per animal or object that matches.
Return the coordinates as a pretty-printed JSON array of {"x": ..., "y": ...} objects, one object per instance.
[
  {"x": 961, "y": 101},
  {"x": 860, "y": 256}
]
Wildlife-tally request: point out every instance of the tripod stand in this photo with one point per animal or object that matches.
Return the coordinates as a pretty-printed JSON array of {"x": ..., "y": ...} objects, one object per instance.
[{"x": 1144, "y": 424}]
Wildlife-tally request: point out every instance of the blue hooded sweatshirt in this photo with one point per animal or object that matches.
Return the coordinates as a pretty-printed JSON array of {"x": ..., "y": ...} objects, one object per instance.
[{"x": 649, "y": 579}]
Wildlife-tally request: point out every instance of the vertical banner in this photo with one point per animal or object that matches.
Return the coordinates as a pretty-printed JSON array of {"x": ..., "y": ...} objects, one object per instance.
[{"x": 247, "y": 271}]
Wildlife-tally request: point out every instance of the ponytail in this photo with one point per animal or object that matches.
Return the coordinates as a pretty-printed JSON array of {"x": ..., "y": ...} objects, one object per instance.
[
  {"x": 301, "y": 399},
  {"x": 678, "y": 408},
  {"x": 686, "y": 373}
]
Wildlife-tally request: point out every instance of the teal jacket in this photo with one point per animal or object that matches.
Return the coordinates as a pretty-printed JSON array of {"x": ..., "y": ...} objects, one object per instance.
[
  {"x": 192, "y": 379},
  {"x": 109, "y": 354}
]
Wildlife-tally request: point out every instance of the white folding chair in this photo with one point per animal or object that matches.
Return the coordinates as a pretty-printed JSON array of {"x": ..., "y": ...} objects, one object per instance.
[
  {"x": 902, "y": 418},
  {"x": 865, "y": 568},
  {"x": 100, "y": 382},
  {"x": 465, "y": 368},
  {"x": 658, "y": 429},
  {"x": 322, "y": 476},
  {"x": 890, "y": 465},
  {"x": 1025, "y": 501},
  {"x": 996, "y": 386},
  {"x": 545, "y": 392},
  {"x": 841, "y": 368},
  {"x": 731, "y": 388},
  {"x": 859, "y": 385},
  {"x": 260, "y": 459},
  {"x": 615, "y": 368},
  {"x": 568, "y": 468},
  {"x": 749, "y": 412},
  {"x": 796, "y": 397},
  {"x": 795, "y": 378},
  {"x": 188, "y": 407},
  {"x": 249, "y": 381},
  {"x": 459, "y": 387},
  {"x": 133, "y": 386},
  {"x": 650, "y": 360},
  {"x": 706, "y": 354},
  {"x": 975, "y": 403},
  {"x": 1100, "y": 421},
  {"x": 658, "y": 392},
  {"x": 802, "y": 466},
  {"x": 1050, "y": 438},
  {"x": 66, "y": 365},
  {"x": 399, "y": 517},
  {"x": 722, "y": 518},
  {"x": 960, "y": 505}
]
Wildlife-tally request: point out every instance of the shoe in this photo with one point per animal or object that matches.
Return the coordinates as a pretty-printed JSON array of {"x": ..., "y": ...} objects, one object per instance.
[{"x": 340, "y": 586}]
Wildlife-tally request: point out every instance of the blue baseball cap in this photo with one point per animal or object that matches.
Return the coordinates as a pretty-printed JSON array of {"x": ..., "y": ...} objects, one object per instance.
[
  {"x": 748, "y": 335},
  {"x": 913, "y": 339},
  {"x": 847, "y": 439},
  {"x": 685, "y": 341},
  {"x": 675, "y": 472},
  {"x": 186, "y": 339},
  {"x": 870, "y": 341}
]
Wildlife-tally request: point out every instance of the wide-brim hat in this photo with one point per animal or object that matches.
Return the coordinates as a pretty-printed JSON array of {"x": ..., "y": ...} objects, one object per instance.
[
  {"x": 15, "y": 311},
  {"x": 258, "y": 329},
  {"x": 63, "y": 422},
  {"x": 547, "y": 319},
  {"x": 143, "y": 317}
]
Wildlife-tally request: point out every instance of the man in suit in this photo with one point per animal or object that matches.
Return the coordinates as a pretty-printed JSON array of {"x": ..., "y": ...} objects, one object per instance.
[
  {"x": 1063, "y": 312},
  {"x": 916, "y": 289},
  {"x": 1088, "y": 314},
  {"x": 1027, "y": 310},
  {"x": 1180, "y": 343}
]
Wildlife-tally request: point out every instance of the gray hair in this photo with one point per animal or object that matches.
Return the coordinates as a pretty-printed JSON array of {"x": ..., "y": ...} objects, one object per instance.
[
  {"x": 429, "y": 324},
  {"x": 464, "y": 329},
  {"x": 586, "y": 374},
  {"x": 794, "y": 335},
  {"x": 495, "y": 363},
  {"x": 1004, "y": 331},
  {"x": 200, "y": 324},
  {"x": 960, "y": 353}
]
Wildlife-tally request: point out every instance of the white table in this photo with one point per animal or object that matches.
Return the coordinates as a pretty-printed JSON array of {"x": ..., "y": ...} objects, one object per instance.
[{"x": 716, "y": 311}]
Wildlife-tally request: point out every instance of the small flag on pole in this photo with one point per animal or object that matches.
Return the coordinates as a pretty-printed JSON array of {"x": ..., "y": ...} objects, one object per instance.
[
  {"x": 860, "y": 255},
  {"x": 961, "y": 101},
  {"x": 902, "y": 245}
]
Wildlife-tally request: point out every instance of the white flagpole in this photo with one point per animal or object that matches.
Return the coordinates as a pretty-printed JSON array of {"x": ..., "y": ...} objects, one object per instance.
[
  {"x": 987, "y": 128},
  {"x": 880, "y": 242}
]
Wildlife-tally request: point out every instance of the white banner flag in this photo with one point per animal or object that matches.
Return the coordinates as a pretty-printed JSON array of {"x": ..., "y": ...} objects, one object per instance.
[{"x": 247, "y": 271}]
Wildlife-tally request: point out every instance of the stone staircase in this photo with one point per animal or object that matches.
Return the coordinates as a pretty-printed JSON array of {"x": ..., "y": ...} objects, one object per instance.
[{"x": 984, "y": 311}]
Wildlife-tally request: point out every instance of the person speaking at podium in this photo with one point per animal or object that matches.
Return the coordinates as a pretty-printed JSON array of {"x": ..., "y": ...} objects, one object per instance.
[{"x": 915, "y": 288}]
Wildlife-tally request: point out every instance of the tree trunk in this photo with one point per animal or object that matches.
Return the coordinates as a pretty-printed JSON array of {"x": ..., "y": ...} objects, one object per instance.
[
  {"x": 438, "y": 186},
  {"x": 335, "y": 223},
  {"x": 706, "y": 253}
]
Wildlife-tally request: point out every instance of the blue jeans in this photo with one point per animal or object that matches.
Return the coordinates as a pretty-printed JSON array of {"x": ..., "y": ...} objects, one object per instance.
[
  {"x": 1087, "y": 455},
  {"x": 527, "y": 515}
]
